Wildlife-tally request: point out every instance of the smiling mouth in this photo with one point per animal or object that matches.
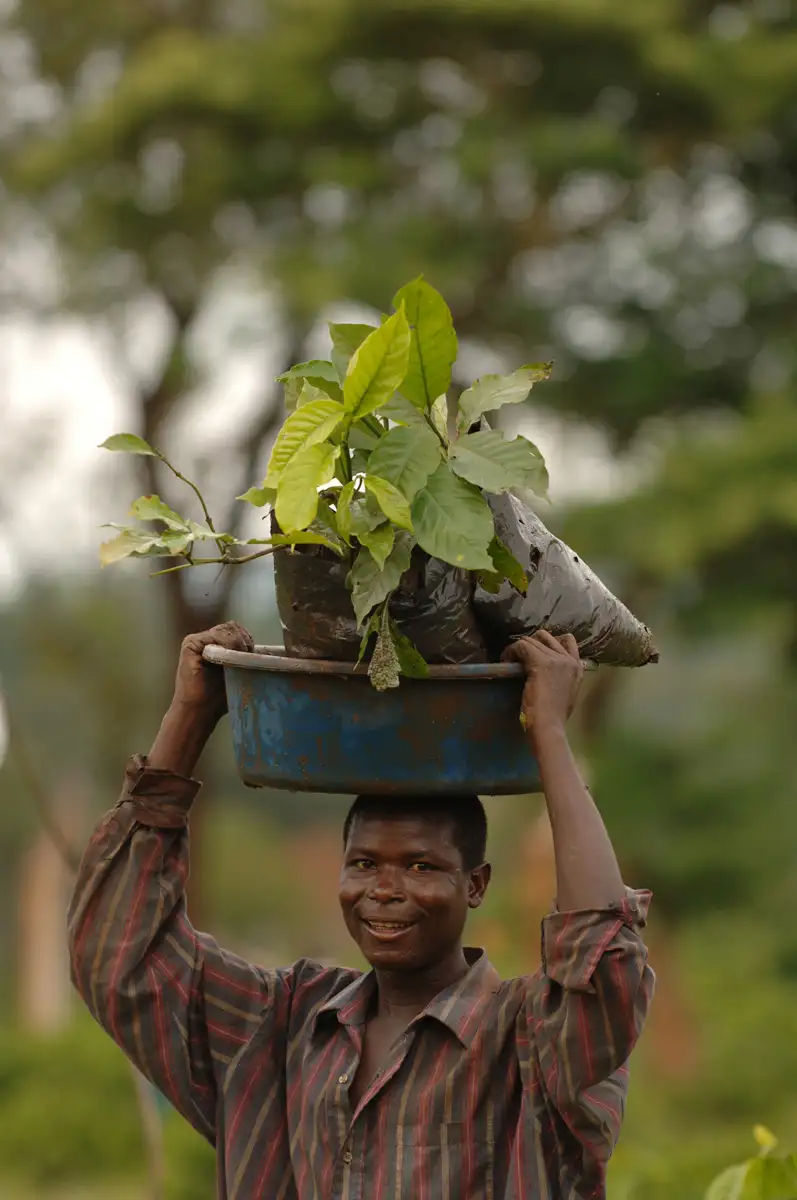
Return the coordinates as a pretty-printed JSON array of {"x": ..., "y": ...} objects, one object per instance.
[{"x": 387, "y": 930}]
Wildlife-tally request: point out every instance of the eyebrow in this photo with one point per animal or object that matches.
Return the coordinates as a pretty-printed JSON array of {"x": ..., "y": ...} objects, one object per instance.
[{"x": 411, "y": 853}]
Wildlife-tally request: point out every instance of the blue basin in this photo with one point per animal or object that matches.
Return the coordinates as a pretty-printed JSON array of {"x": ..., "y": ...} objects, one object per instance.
[{"x": 315, "y": 726}]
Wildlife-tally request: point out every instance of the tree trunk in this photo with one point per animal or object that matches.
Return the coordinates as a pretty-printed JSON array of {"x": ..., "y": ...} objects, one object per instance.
[{"x": 185, "y": 615}]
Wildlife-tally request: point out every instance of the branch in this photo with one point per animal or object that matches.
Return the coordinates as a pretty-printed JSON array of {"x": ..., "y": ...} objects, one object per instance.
[
  {"x": 24, "y": 762},
  {"x": 158, "y": 402},
  {"x": 204, "y": 562}
]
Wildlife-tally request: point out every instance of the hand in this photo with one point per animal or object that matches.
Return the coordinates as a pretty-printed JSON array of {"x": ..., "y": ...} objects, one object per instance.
[
  {"x": 200, "y": 685},
  {"x": 554, "y": 673}
]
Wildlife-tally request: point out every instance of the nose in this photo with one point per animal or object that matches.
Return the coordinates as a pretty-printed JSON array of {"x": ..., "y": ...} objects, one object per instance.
[{"x": 386, "y": 885}]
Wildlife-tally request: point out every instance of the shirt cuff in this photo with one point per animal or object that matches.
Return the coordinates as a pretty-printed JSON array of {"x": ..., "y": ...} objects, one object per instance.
[
  {"x": 573, "y": 943},
  {"x": 159, "y": 799}
]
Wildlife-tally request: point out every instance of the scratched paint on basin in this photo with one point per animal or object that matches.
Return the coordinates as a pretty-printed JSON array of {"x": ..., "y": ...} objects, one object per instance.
[{"x": 309, "y": 726}]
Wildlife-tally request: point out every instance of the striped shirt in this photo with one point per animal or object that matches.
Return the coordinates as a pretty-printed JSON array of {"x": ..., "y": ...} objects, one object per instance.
[{"x": 499, "y": 1090}]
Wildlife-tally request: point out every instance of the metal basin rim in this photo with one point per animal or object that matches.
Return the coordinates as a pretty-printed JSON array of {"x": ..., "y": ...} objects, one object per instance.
[{"x": 275, "y": 658}]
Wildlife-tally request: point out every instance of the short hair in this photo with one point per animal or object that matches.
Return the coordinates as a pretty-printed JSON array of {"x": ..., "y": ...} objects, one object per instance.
[{"x": 465, "y": 813}]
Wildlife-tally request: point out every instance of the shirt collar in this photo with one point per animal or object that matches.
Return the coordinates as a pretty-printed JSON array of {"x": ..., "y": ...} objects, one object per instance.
[{"x": 458, "y": 1007}]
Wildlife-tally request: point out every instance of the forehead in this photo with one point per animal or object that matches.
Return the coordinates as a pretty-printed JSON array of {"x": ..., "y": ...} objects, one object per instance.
[{"x": 397, "y": 833}]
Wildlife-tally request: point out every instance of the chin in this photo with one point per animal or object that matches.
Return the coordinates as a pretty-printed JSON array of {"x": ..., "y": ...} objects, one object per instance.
[{"x": 394, "y": 959}]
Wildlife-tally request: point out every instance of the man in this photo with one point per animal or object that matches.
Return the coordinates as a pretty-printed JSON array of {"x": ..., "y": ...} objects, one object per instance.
[{"x": 429, "y": 1078}]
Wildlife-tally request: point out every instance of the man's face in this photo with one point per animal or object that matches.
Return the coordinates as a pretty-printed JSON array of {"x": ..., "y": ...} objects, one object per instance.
[{"x": 404, "y": 891}]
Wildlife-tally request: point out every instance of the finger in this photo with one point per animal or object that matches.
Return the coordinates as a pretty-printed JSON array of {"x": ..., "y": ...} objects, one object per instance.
[
  {"x": 525, "y": 651},
  {"x": 516, "y": 651},
  {"x": 230, "y": 635},
  {"x": 241, "y": 636},
  {"x": 545, "y": 638},
  {"x": 571, "y": 645}
]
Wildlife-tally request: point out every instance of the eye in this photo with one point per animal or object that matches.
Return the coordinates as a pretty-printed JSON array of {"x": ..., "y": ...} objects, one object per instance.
[
  {"x": 362, "y": 864},
  {"x": 421, "y": 866}
]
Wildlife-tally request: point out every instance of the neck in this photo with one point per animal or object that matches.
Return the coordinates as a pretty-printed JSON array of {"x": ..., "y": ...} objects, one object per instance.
[{"x": 406, "y": 993}]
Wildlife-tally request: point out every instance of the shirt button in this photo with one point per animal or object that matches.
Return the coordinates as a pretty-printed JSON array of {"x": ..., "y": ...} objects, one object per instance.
[
  {"x": 347, "y": 1157},
  {"x": 343, "y": 1079}
]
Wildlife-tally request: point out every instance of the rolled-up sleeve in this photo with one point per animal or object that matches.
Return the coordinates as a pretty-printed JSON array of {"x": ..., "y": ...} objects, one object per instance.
[
  {"x": 588, "y": 1007},
  {"x": 177, "y": 1004}
]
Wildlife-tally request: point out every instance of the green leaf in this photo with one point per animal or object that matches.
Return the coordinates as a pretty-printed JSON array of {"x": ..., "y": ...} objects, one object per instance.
[
  {"x": 507, "y": 566},
  {"x": 770, "y": 1179},
  {"x": 361, "y": 438},
  {"x": 380, "y": 542},
  {"x": 326, "y": 517},
  {"x": 259, "y": 496},
  {"x": 411, "y": 661},
  {"x": 729, "y": 1185},
  {"x": 491, "y": 462},
  {"x": 128, "y": 443},
  {"x": 406, "y": 457},
  {"x": 365, "y": 515},
  {"x": 310, "y": 424},
  {"x": 401, "y": 412},
  {"x": 304, "y": 537},
  {"x": 439, "y": 415},
  {"x": 292, "y": 392},
  {"x": 343, "y": 513},
  {"x": 764, "y": 1138},
  {"x": 203, "y": 532},
  {"x": 494, "y": 391},
  {"x": 371, "y": 628},
  {"x": 297, "y": 494},
  {"x": 371, "y": 584},
  {"x": 433, "y": 344},
  {"x": 491, "y": 581},
  {"x": 176, "y": 541},
  {"x": 316, "y": 368},
  {"x": 303, "y": 391},
  {"x": 319, "y": 374},
  {"x": 393, "y": 504},
  {"x": 346, "y": 339},
  {"x": 384, "y": 668},
  {"x": 129, "y": 542},
  {"x": 452, "y": 521},
  {"x": 378, "y": 367},
  {"x": 152, "y": 508}
]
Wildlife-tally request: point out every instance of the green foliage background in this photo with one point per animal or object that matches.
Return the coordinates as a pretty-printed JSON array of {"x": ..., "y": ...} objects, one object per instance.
[{"x": 604, "y": 184}]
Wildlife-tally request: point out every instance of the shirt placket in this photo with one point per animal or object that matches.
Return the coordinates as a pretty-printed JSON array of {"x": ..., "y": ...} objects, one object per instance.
[{"x": 349, "y": 1182}]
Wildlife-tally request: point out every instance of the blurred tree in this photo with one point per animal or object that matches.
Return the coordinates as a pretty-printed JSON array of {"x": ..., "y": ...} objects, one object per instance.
[{"x": 609, "y": 186}]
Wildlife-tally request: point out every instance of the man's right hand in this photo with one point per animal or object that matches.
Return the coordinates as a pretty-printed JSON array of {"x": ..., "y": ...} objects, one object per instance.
[{"x": 199, "y": 685}]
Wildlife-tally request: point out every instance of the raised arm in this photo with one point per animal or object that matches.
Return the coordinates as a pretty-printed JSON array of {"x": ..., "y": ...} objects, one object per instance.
[
  {"x": 588, "y": 1007},
  {"x": 178, "y": 1005},
  {"x": 587, "y": 872}
]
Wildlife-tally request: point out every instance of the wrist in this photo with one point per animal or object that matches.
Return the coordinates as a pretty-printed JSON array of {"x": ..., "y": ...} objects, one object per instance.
[
  {"x": 548, "y": 735},
  {"x": 182, "y": 737},
  {"x": 199, "y": 713}
]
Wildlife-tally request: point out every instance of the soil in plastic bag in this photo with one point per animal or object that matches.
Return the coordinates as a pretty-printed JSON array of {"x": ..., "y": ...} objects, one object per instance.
[
  {"x": 432, "y": 607},
  {"x": 453, "y": 619},
  {"x": 564, "y": 596}
]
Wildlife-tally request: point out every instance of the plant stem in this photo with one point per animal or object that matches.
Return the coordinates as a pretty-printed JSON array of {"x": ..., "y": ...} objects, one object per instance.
[
  {"x": 436, "y": 432},
  {"x": 226, "y": 561},
  {"x": 373, "y": 425},
  {"x": 195, "y": 489}
]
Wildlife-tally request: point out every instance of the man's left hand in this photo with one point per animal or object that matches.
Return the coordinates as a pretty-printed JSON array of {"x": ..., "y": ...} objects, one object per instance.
[{"x": 554, "y": 673}]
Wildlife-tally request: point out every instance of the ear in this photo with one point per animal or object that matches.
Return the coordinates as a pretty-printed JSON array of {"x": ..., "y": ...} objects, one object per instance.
[{"x": 478, "y": 881}]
